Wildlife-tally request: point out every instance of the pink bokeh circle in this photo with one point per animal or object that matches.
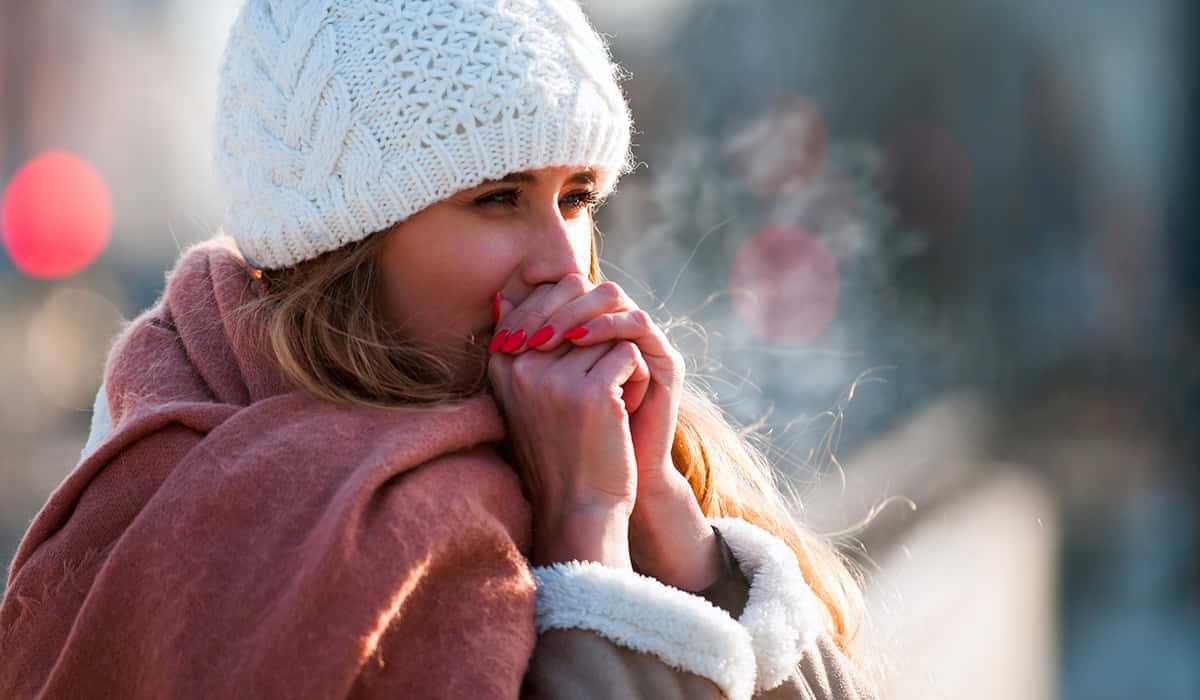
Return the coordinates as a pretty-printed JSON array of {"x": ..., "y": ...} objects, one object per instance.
[
  {"x": 784, "y": 284},
  {"x": 56, "y": 215}
]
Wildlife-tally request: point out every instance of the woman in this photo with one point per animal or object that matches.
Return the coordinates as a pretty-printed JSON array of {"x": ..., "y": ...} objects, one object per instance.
[{"x": 398, "y": 438}]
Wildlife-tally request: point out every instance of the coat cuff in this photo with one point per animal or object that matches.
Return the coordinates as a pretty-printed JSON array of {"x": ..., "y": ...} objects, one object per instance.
[
  {"x": 782, "y": 615},
  {"x": 640, "y": 613}
]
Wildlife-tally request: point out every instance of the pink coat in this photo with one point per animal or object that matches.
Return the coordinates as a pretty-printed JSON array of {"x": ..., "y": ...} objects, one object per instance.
[{"x": 234, "y": 537}]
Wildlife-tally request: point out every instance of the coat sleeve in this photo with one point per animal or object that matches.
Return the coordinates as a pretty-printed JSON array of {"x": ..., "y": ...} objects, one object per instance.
[
  {"x": 607, "y": 634},
  {"x": 815, "y": 668}
]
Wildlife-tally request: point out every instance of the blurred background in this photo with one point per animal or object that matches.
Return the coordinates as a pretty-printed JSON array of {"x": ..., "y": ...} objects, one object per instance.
[{"x": 946, "y": 253}]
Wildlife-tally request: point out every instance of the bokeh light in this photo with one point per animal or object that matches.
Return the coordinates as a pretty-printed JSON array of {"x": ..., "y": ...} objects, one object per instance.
[
  {"x": 781, "y": 150},
  {"x": 930, "y": 179},
  {"x": 57, "y": 215},
  {"x": 784, "y": 284},
  {"x": 66, "y": 345}
]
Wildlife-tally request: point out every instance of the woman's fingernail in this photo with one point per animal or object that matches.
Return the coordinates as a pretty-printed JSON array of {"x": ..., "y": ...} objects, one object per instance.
[
  {"x": 576, "y": 333},
  {"x": 498, "y": 341},
  {"x": 541, "y": 336},
  {"x": 515, "y": 341},
  {"x": 496, "y": 309}
]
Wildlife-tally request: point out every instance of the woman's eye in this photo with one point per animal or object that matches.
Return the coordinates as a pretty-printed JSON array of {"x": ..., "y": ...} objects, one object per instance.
[
  {"x": 579, "y": 200},
  {"x": 503, "y": 197},
  {"x": 573, "y": 202}
]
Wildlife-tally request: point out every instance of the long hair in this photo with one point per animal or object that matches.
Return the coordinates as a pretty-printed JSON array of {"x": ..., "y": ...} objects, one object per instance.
[{"x": 329, "y": 337}]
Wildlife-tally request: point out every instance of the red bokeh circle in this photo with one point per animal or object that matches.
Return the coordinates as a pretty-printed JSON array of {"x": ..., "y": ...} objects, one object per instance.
[
  {"x": 784, "y": 284},
  {"x": 56, "y": 215}
]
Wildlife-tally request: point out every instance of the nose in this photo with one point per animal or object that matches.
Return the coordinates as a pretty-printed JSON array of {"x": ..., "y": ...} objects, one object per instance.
[{"x": 555, "y": 249}]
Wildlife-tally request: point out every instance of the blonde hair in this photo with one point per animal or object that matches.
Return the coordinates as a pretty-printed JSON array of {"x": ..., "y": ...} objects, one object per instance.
[{"x": 329, "y": 339}]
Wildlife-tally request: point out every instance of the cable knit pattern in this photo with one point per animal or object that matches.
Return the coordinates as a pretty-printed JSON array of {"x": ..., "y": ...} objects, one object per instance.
[
  {"x": 339, "y": 118},
  {"x": 781, "y": 614}
]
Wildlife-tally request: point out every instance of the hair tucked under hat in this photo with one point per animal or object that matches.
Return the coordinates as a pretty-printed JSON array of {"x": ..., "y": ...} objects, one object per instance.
[{"x": 339, "y": 118}]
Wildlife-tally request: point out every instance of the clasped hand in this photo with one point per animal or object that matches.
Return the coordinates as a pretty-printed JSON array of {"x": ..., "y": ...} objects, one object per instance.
[{"x": 590, "y": 388}]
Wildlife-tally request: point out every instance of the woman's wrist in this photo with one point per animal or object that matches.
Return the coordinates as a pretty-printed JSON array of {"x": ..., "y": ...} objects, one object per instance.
[
  {"x": 672, "y": 541},
  {"x": 594, "y": 532}
]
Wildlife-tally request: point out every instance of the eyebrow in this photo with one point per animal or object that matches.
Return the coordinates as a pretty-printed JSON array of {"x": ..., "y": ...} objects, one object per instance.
[{"x": 583, "y": 177}]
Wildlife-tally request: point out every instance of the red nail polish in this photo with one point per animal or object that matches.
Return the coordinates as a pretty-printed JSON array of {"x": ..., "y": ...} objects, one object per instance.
[
  {"x": 541, "y": 336},
  {"x": 498, "y": 341},
  {"x": 496, "y": 309},
  {"x": 514, "y": 342},
  {"x": 576, "y": 333}
]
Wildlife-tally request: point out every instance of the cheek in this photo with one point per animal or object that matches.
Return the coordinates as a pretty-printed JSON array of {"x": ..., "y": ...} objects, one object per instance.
[
  {"x": 476, "y": 269},
  {"x": 394, "y": 291},
  {"x": 444, "y": 289},
  {"x": 582, "y": 241}
]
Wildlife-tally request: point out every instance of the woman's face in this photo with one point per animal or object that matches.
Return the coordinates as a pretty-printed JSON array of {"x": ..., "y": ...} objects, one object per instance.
[{"x": 441, "y": 268}]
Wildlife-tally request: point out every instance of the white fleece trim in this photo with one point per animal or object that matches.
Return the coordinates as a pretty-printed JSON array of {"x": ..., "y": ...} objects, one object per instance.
[
  {"x": 781, "y": 614},
  {"x": 101, "y": 424},
  {"x": 640, "y": 613}
]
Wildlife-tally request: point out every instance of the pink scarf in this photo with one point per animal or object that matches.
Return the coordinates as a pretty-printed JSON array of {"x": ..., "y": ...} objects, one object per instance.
[{"x": 233, "y": 537}]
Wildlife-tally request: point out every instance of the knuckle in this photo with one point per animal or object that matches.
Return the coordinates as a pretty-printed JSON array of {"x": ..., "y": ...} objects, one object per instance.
[
  {"x": 605, "y": 325},
  {"x": 626, "y": 349},
  {"x": 523, "y": 372},
  {"x": 641, "y": 318},
  {"x": 594, "y": 392},
  {"x": 537, "y": 317},
  {"x": 575, "y": 283},
  {"x": 609, "y": 291}
]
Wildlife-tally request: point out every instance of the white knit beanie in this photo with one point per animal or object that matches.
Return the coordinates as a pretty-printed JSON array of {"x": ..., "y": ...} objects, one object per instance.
[{"x": 339, "y": 118}]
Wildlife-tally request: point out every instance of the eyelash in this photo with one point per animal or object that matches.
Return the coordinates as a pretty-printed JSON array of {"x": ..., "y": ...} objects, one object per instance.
[{"x": 583, "y": 199}]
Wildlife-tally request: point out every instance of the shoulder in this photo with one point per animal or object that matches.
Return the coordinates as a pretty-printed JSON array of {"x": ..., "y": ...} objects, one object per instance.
[{"x": 182, "y": 347}]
